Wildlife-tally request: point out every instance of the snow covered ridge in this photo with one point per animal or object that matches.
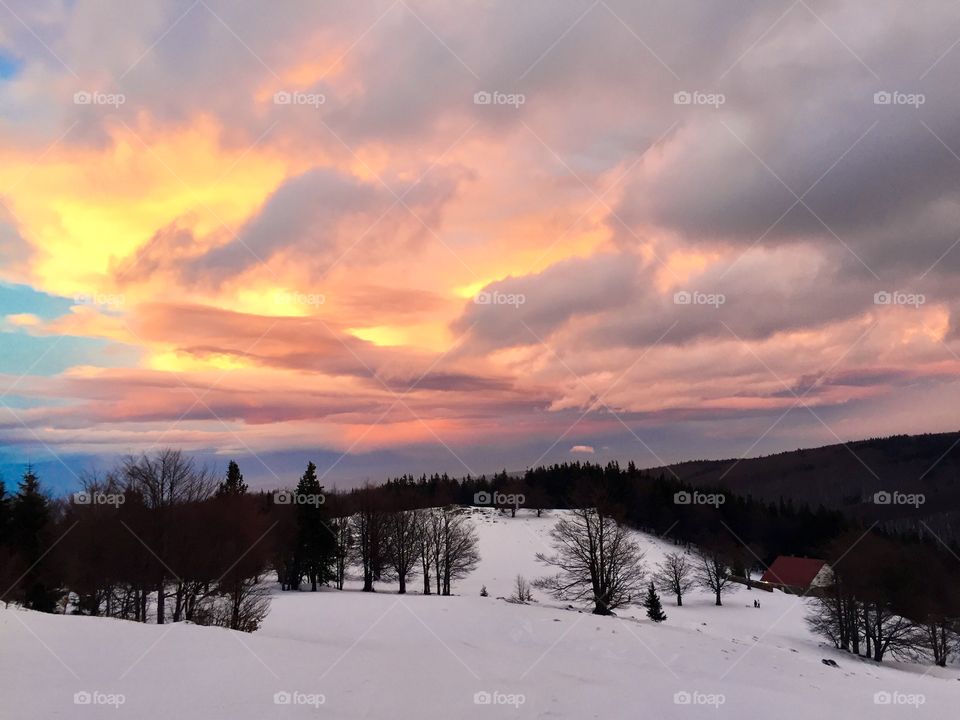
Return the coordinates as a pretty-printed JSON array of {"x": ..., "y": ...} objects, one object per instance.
[{"x": 348, "y": 654}]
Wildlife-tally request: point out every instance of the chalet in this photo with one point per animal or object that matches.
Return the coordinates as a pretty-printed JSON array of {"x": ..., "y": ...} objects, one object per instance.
[{"x": 797, "y": 575}]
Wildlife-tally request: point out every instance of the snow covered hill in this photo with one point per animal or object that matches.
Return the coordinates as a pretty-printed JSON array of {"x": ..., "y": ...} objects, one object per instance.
[{"x": 360, "y": 655}]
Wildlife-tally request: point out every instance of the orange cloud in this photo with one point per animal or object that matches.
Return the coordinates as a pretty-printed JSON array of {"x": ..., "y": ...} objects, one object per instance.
[{"x": 83, "y": 208}]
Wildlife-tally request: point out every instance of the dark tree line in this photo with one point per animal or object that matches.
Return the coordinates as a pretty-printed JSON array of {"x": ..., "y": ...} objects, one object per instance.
[
  {"x": 155, "y": 539},
  {"x": 184, "y": 545},
  {"x": 394, "y": 534},
  {"x": 160, "y": 539},
  {"x": 889, "y": 598},
  {"x": 647, "y": 502}
]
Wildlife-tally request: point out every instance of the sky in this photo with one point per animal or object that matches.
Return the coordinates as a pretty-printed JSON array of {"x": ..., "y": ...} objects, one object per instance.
[{"x": 419, "y": 236}]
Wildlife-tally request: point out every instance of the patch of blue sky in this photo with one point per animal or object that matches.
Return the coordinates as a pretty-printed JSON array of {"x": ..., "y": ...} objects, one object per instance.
[
  {"x": 17, "y": 299},
  {"x": 10, "y": 66},
  {"x": 22, "y": 353}
]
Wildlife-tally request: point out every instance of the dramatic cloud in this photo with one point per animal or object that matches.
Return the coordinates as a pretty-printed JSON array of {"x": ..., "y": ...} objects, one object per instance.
[{"x": 421, "y": 236}]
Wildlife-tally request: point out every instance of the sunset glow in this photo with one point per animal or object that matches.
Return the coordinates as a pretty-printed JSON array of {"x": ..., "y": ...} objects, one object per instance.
[{"x": 334, "y": 233}]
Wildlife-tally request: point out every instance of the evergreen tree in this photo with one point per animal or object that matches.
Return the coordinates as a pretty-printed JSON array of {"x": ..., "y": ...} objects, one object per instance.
[
  {"x": 9, "y": 566},
  {"x": 652, "y": 603},
  {"x": 29, "y": 522},
  {"x": 316, "y": 543},
  {"x": 4, "y": 514},
  {"x": 233, "y": 484}
]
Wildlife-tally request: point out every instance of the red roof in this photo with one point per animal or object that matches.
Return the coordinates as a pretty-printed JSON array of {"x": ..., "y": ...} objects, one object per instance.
[{"x": 792, "y": 571}]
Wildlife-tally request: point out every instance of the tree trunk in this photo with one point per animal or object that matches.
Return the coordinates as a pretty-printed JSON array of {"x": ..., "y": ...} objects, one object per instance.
[
  {"x": 235, "y": 615},
  {"x": 866, "y": 632},
  {"x": 940, "y": 644},
  {"x": 178, "y": 603},
  {"x": 853, "y": 625},
  {"x": 425, "y": 563}
]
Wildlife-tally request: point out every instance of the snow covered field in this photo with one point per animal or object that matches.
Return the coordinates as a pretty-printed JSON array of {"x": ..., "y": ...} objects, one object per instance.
[{"x": 360, "y": 655}]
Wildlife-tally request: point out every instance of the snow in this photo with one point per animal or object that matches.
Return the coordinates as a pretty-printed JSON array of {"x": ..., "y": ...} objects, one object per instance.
[{"x": 360, "y": 655}]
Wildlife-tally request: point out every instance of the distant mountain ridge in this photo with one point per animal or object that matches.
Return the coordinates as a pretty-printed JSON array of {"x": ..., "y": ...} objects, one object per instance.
[{"x": 848, "y": 476}]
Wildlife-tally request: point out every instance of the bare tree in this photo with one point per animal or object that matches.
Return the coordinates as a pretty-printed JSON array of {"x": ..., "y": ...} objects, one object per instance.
[
  {"x": 428, "y": 524},
  {"x": 167, "y": 478},
  {"x": 237, "y": 532},
  {"x": 241, "y": 607},
  {"x": 889, "y": 632},
  {"x": 937, "y": 608},
  {"x": 837, "y": 612},
  {"x": 940, "y": 638},
  {"x": 535, "y": 497},
  {"x": 596, "y": 559},
  {"x": 834, "y": 616},
  {"x": 164, "y": 480},
  {"x": 521, "y": 591},
  {"x": 371, "y": 536},
  {"x": 675, "y": 575},
  {"x": 343, "y": 533},
  {"x": 452, "y": 546},
  {"x": 712, "y": 572},
  {"x": 403, "y": 549},
  {"x": 872, "y": 603}
]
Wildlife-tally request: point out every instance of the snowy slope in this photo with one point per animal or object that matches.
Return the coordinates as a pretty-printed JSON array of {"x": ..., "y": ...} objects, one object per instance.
[{"x": 386, "y": 656}]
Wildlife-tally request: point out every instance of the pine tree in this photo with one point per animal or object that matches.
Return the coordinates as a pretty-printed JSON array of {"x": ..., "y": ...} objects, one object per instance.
[
  {"x": 652, "y": 603},
  {"x": 233, "y": 484},
  {"x": 29, "y": 520},
  {"x": 4, "y": 514},
  {"x": 316, "y": 545}
]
